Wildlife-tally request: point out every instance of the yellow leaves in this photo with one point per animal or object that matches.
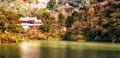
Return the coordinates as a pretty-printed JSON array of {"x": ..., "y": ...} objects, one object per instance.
[
  {"x": 76, "y": 37},
  {"x": 91, "y": 10},
  {"x": 2, "y": 36},
  {"x": 98, "y": 27},
  {"x": 104, "y": 21},
  {"x": 104, "y": 31},
  {"x": 2, "y": 17},
  {"x": 9, "y": 19},
  {"x": 80, "y": 37},
  {"x": 113, "y": 20}
]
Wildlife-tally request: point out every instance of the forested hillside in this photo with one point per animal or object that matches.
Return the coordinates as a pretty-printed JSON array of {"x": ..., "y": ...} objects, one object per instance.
[{"x": 79, "y": 20}]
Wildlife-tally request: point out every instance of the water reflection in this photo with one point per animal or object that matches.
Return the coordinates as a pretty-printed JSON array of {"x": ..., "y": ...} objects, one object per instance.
[
  {"x": 59, "y": 49},
  {"x": 24, "y": 46},
  {"x": 29, "y": 50},
  {"x": 49, "y": 49},
  {"x": 41, "y": 50},
  {"x": 9, "y": 51}
]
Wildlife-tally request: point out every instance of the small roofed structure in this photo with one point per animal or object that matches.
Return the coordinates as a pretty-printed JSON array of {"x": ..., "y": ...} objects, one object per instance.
[{"x": 30, "y": 22}]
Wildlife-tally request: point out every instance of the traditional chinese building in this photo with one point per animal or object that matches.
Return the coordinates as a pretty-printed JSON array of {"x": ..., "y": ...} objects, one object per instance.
[{"x": 30, "y": 22}]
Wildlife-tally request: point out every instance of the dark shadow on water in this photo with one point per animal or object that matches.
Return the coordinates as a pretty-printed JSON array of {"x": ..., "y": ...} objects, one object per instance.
[
  {"x": 90, "y": 53},
  {"x": 9, "y": 51}
]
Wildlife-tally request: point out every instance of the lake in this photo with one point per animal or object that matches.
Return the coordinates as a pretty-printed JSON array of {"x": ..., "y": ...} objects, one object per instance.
[{"x": 59, "y": 49}]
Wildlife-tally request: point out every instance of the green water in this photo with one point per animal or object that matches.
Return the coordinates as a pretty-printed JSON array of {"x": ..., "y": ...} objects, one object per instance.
[{"x": 59, "y": 49}]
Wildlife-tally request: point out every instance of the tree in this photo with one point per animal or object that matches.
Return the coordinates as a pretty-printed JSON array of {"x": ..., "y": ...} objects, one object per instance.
[
  {"x": 102, "y": 27},
  {"x": 46, "y": 26},
  {"x": 107, "y": 28},
  {"x": 2, "y": 22},
  {"x": 9, "y": 20},
  {"x": 69, "y": 21},
  {"x": 52, "y": 5},
  {"x": 76, "y": 15},
  {"x": 61, "y": 19},
  {"x": 100, "y": 0},
  {"x": 42, "y": 14}
]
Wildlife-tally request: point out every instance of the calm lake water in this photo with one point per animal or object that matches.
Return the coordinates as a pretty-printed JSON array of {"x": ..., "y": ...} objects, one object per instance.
[{"x": 59, "y": 49}]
